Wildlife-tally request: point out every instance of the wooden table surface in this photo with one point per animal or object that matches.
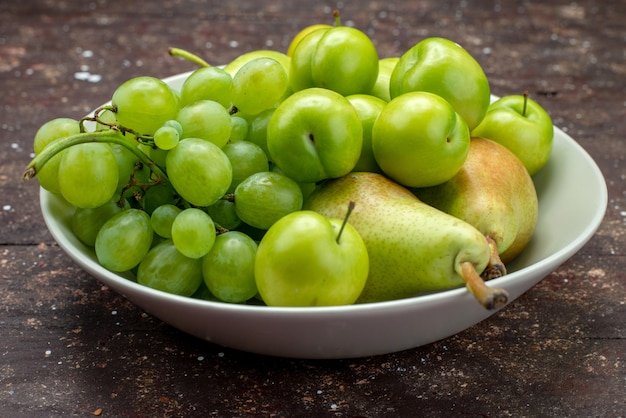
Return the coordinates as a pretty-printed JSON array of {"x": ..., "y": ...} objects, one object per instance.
[{"x": 71, "y": 347}]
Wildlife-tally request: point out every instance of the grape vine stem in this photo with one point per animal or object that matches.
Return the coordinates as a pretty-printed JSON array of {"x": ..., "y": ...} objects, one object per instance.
[{"x": 108, "y": 136}]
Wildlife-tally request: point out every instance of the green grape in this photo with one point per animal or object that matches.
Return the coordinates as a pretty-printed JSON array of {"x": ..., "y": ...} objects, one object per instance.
[
  {"x": 257, "y": 129},
  {"x": 238, "y": 128},
  {"x": 207, "y": 120},
  {"x": 223, "y": 213},
  {"x": 305, "y": 187},
  {"x": 203, "y": 293},
  {"x": 158, "y": 155},
  {"x": 126, "y": 165},
  {"x": 88, "y": 174},
  {"x": 235, "y": 65},
  {"x": 207, "y": 83},
  {"x": 166, "y": 137},
  {"x": 86, "y": 222},
  {"x": 49, "y": 132},
  {"x": 259, "y": 85},
  {"x": 173, "y": 123},
  {"x": 193, "y": 232},
  {"x": 124, "y": 240},
  {"x": 144, "y": 103},
  {"x": 157, "y": 195},
  {"x": 263, "y": 198},
  {"x": 162, "y": 219},
  {"x": 228, "y": 269},
  {"x": 199, "y": 171},
  {"x": 246, "y": 158},
  {"x": 165, "y": 268}
]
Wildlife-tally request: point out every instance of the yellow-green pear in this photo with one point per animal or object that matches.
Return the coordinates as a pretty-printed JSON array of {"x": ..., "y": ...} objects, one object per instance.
[
  {"x": 413, "y": 248},
  {"x": 494, "y": 193}
]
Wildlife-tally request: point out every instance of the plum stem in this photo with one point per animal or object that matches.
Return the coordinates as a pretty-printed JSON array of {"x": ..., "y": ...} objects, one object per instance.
[
  {"x": 345, "y": 220},
  {"x": 337, "y": 17}
]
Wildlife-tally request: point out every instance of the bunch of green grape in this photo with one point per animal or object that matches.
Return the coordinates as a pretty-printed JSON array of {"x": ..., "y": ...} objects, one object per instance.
[{"x": 175, "y": 186}]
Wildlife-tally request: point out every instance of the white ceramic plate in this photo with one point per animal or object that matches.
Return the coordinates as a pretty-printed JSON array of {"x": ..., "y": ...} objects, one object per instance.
[{"x": 572, "y": 202}]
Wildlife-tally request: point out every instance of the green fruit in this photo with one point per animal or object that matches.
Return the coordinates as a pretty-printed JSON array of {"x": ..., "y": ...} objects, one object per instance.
[
  {"x": 494, "y": 193},
  {"x": 315, "y": 134},
  {"x": 443, "y": 67},
  {"x": 300, "y": 74},
  {"x": 47, "y": 133},
  {"x": 265, "y": 197},
  {"x": 124, "y": 240},
  {"x": 523, "y": 126},
  {"x": 207, "y": 83},
  {"x": 199, "y": 171},
  {"x": 413, "y": 247},
  {"x": 144, "y": 103},
  {"x": 243, "y": 59},
  {"x": 228, "y": 269},
  {"x": 419, "y": 140},
  {"x": 368, "y": 108},
  {"x": 165, "y": 268},
  {"x": 304, "y": 32},
  {"x": 301, "y": 261},
  {"x": 259, "y": 85},
  {"x": 385, "y": 69},
  {"x": 345, "y": 60}
]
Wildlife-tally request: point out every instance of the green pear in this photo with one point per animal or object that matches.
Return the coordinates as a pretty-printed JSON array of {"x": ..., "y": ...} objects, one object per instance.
[
  {"x": 413, "y": 248},
  {"x": 494, "y": 193}
]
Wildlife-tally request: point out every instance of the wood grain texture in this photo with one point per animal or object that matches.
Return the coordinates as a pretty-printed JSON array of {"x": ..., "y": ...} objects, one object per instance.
[{"x": 69, "y": 346}]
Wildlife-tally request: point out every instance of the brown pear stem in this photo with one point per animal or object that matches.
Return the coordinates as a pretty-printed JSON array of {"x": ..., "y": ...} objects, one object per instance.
[
  {"x": 496, "y": 267},
  {"x": 489, "y": 297}
]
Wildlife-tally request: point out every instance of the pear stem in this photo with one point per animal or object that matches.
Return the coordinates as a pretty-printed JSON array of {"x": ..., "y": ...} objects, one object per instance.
[
  {"x": 496, "y": 267},
  {"x": 345, "y": 220},
  {"x": 178, "y": 52},
  {"x": 525, "y": 102},
  {"x": 489, "y": 297},
  {"x": 337, "y": 17}
]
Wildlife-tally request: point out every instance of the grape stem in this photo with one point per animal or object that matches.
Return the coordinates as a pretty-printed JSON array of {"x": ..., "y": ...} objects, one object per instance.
[
  {"x": 109, "y": 136},
  {"x": 178, "y": 52},
  {"x": 144, "y": 139}
]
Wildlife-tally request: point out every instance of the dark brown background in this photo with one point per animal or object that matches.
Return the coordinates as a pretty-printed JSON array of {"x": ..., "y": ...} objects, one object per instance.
[{"x": 69, "y": 346}]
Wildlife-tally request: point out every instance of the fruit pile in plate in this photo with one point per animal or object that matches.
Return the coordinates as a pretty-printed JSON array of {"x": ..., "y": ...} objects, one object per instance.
[{"x": 322, "y": 176}]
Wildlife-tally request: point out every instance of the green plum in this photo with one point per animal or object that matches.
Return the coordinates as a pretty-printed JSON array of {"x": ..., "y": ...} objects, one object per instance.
[
  {"x": 419, "y": 140},
  {"x": 443, "y": 67},
  {"x": 523, "y": 126},
  {"x": 368, "y": 108},
  {"x": 306, "y": 259},
  {"x": 300, "y": 76},
  {"x": 304, "y": 32},
  {"x": 345, "y": 60},
  {"x": 385, "y": 69},
  {"x": 315, "y": 134}
]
